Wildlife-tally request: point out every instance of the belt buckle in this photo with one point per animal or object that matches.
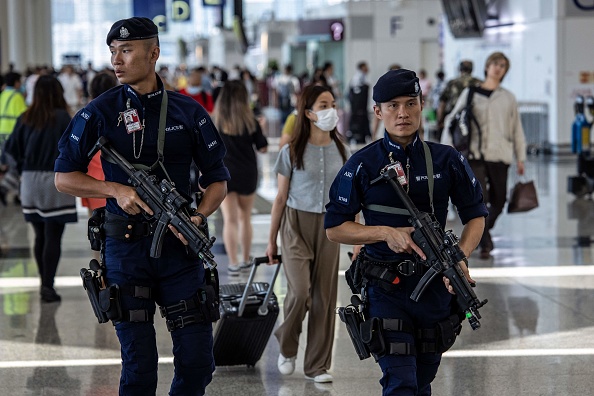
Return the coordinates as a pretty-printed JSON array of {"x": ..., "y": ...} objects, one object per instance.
[{"x": 407, "y": 268}]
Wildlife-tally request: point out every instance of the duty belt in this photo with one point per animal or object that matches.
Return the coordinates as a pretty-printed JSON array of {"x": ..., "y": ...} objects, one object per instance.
[
  {"x": 126, "y": 229},
  {"x": 381, "y": 269}
]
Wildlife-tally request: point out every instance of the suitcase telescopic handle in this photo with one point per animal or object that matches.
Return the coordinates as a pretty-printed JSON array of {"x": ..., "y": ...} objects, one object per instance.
[{"x": 263, "y": 309}]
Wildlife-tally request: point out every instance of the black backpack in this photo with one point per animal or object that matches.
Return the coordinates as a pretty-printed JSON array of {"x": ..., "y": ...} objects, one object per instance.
[
  {"x": 284, "y": 91},
  {"x": 461, "y": 128}
]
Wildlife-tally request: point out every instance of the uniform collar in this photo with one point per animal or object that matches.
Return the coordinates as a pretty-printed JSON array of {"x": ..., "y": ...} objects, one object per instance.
[
  {"x": 152, "y": 97},
  {"x": 391, "y": 146}
]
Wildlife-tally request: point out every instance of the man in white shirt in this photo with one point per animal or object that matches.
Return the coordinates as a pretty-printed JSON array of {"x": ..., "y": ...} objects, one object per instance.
[{"x": 73, "y": 88}]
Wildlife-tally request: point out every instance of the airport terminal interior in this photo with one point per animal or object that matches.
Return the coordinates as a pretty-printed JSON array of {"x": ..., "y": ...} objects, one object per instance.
[{"x": 536, "y": 336}]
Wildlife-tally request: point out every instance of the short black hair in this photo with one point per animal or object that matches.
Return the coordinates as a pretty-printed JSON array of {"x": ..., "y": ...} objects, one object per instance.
[
  {"x": 102, "y": 82},
  {"x": 11, "y": 78},
  {"x": 466, "y": 66}
]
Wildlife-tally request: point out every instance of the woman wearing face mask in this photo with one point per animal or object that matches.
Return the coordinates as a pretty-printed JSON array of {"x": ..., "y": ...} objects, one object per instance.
[{"x": 305, "y": 169}]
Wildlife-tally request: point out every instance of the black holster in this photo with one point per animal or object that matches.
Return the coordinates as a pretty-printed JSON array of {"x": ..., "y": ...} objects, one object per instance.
[
  {"x": 353, "y": 318},
  {"x": 447, "y": 331},
  {"x": 105, "y": 301},
  {"x": 95, "y": 231},
  {"x": 209, "y": 303},
  {"x": 354, "y": 274},
  {"x": 373, "y": 337}
]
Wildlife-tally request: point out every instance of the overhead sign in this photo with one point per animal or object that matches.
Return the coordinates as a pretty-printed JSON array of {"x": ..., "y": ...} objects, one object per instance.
[
  {"x": 181, "y": 11},
  {"x": 153, "y": 9},
  {"x": 213, "y": 3},
  {"x": 333, "y": 28}
]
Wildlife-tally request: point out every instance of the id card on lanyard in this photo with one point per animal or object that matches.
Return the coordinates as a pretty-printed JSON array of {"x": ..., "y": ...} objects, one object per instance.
[{"x": 132, "y": 121}]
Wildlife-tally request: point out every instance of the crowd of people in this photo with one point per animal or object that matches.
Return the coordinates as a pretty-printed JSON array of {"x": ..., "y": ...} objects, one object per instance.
[{"x": 49, "y": 121}]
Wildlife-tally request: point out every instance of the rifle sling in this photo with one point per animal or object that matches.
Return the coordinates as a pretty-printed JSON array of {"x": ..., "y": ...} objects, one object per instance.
[{"x": 430, "y": 182}]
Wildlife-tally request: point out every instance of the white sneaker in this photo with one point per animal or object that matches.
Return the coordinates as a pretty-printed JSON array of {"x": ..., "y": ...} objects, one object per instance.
[
  {"x": 285, "y": 365},
  {"x": 233, "y": 269},
  {"x": 321, "y": 378}
]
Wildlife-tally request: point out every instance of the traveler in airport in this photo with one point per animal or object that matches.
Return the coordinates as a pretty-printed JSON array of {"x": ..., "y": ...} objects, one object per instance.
[
  {"x": 497, "y": 143},
  {"x": 452, "y": 91},
  {"x": 241, "y": 134},
  {"x": 305, "y": 169},
  {"x": 34, "y": 147}
]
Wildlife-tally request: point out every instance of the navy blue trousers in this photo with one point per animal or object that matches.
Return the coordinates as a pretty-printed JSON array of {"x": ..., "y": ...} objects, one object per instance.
[
  {"x": 173, "y": 277},
  {"x": 409, "y": 375}
]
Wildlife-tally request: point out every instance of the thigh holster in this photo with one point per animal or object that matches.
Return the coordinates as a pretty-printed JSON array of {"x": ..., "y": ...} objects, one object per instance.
[
  {"x": 136, "y": 315},
  {"x": 201, "y": 308},
  {"x": 373, "y": 336},
  {"x": 440, "y": 338}
]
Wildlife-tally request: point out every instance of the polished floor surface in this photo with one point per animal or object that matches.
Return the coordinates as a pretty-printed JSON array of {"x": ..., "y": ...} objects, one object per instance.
[{"x": 536, "y": 337}]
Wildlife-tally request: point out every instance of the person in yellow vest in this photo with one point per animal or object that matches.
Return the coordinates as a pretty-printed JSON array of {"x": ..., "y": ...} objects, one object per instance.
[{"x": 12, "y": 105}]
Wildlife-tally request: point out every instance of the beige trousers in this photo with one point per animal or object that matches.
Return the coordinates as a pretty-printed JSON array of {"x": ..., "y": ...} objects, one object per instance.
[{"x": 310, "y": 263}]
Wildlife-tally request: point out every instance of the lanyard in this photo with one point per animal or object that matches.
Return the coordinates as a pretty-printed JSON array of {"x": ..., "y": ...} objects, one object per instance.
[
  {"x": 160, "y": 140},
  {"x": 430, "y": 181}
]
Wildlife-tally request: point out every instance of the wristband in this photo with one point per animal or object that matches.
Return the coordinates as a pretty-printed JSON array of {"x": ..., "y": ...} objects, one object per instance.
[{"x": 201, "y": 216}]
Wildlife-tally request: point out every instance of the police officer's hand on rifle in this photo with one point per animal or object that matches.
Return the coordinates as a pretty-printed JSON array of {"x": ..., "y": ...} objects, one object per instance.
[
  {"x": 195, "y": 219},
  {"x": 129, "y": 200}
]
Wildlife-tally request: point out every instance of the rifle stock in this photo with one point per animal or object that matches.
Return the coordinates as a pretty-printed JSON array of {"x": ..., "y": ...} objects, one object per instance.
[
  {"x": 443, "y": 255},
  {"x": 167, "y": 204}
]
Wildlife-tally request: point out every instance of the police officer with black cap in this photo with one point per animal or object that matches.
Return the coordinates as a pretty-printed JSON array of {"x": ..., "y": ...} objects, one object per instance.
[
  {"x": 412, "y": 352},
  {"x": 129, "y": 117}
]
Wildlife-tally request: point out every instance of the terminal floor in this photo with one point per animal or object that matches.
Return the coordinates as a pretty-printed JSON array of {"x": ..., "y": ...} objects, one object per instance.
[{"x": 536, "y": 337}]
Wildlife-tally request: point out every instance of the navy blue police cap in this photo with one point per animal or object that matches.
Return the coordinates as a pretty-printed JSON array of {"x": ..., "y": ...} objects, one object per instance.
[
  {"x": 400, "y": 82},
  {"x": 135, "y": 28}
]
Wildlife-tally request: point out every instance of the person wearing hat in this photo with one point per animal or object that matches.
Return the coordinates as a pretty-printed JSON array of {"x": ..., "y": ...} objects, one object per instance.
[
  {"x": 408, "y": 365},
  {"x": 129, "y": 117}
]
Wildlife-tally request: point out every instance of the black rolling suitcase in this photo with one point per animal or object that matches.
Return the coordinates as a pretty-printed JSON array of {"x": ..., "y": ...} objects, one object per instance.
[{"x": 248, "y": 314}]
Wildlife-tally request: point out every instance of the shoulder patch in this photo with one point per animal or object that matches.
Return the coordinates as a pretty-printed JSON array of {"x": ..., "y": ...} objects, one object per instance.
[
  {"x": 80, "y": 123},
  {"x": 468, "y": 170},
  {"x": 208, "y": 133},
  {"x": 345, "y": 186}
]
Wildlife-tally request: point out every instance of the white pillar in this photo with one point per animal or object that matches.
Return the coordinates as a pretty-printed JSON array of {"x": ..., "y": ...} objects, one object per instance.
[
  {"x": 39, "y": 37},
  {"x": 17, "y": 34},
  {"x": 3, "y": 36}
]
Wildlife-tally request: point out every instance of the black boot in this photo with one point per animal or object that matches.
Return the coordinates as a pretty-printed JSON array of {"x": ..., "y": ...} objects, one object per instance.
[
  {"x": 3, "y": 195},
  {"x": 49, "y": 295}
]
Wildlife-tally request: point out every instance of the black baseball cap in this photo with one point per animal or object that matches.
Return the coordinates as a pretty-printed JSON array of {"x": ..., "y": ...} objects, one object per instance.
[
  {"x": 394, "y": 83},
  {"x": 135, "y": 28}
]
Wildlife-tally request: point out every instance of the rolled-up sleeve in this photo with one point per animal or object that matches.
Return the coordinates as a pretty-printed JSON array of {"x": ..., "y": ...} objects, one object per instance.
[
  {"x": 76, "y": 142},
  {"x": 209, "y": 153},
  {"x": 345, "y": 200},
  {"x": 467, "y": 193}
]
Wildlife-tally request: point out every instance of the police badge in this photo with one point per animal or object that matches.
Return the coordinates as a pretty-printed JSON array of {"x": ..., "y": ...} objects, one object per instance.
[{"x": 124, "y": 33}]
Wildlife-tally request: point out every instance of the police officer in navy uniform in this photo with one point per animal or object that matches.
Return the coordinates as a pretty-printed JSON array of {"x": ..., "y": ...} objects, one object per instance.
[
  {"x": 128, "y": 116},
  {"x": 386, "y": 235}
]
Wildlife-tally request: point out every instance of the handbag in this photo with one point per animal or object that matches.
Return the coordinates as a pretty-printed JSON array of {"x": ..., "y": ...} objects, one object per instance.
[
  {"x": 460, "y": 127},
  {"x": 523, "y": 197}
]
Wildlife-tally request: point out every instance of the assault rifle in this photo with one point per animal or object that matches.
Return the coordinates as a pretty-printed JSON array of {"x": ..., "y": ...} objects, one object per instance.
[
  {"x": 441, "y": 249},
  {"x": 167, "y": 204}
]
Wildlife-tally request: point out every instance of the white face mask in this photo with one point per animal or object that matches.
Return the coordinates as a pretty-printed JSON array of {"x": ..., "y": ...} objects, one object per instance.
[
  {"x": 327, "y": 119},
  {"x": 193, "y": 90}
]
